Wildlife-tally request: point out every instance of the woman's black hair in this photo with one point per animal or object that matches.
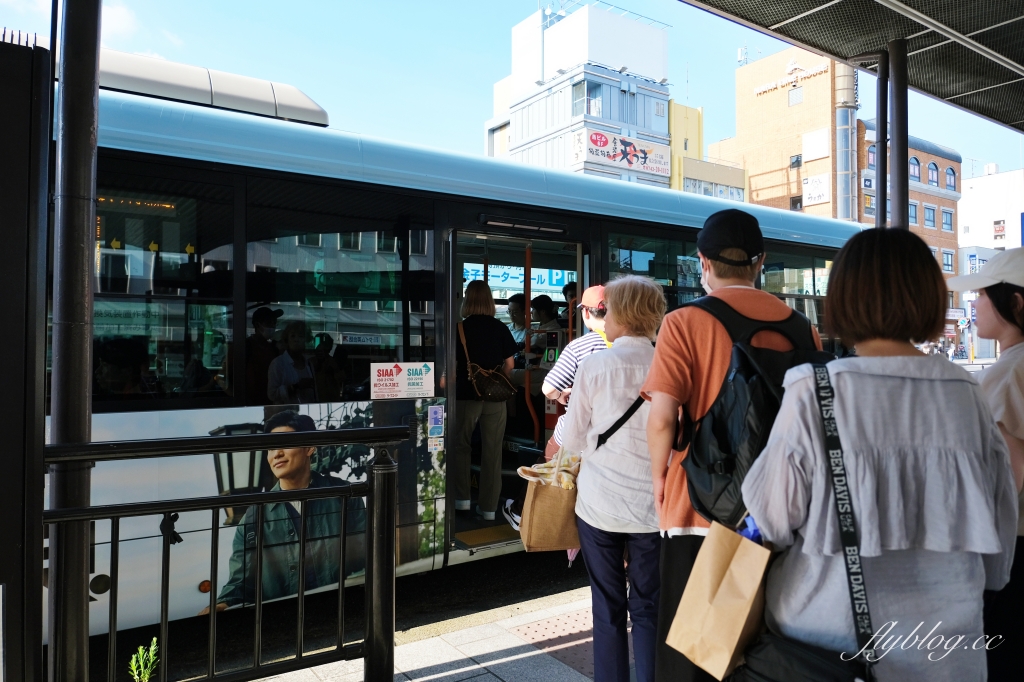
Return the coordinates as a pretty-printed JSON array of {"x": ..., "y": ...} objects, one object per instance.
[
  {"x": 297, "y": 422},
  {"x": 1003, "y": 297}
]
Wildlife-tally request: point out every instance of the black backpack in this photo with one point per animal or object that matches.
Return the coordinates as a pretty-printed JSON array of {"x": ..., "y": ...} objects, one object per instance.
[{"x": 725, "y": 442}]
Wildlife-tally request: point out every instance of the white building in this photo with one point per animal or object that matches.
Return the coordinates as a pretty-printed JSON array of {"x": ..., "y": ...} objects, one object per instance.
[
  {"x": 587, "y": 93},
  {"x": 992, "y": 209},
  {"x": 971, "y": 260}
]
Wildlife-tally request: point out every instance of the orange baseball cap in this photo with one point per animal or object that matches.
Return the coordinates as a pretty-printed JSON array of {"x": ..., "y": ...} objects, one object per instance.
[{"x": 593, "y": 297}]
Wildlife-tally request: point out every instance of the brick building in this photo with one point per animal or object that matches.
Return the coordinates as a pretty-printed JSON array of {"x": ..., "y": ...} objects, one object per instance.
[
  {"x": 803, "y": 148},
  {"x": 934, "y": 192},
  {"x": 795, "y": 134}
]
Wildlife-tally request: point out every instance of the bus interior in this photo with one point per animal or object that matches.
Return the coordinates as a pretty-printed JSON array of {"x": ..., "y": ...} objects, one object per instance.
[{"x": 534, "y": 268}]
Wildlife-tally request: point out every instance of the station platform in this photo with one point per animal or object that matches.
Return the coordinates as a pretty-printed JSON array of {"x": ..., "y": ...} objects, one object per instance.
[{"x": 547, "y": 639}]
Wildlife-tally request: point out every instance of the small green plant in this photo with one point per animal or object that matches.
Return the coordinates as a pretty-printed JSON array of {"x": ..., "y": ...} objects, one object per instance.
[{"x": 143, "y": 663}]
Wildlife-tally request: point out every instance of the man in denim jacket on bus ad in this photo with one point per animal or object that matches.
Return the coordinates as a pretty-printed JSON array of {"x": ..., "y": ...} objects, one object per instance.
[{"x": 292, "y": 468}]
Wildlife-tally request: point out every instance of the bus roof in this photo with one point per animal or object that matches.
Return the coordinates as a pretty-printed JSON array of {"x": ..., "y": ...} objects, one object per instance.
[{"x": 143, "y": 124}]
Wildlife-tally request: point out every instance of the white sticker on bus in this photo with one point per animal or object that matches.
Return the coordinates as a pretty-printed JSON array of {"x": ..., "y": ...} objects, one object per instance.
[
  {"x": 401, "y": 380},
  {"x": 361, "y": 339}
]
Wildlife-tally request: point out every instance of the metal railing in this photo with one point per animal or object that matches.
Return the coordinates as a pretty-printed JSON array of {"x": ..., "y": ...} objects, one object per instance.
[{"x": 377, "y": 647}]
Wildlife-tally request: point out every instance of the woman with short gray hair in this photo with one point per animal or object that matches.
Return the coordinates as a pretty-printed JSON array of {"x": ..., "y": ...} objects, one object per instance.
[{"x": 607, "y": 423}]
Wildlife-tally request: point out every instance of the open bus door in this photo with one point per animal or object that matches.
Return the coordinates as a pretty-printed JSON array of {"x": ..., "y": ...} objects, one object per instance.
[{"x": 511, "y": 265}]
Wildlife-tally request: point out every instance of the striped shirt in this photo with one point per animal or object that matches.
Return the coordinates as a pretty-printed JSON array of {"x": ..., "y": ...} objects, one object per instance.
[{"x": 563, "y": 374}]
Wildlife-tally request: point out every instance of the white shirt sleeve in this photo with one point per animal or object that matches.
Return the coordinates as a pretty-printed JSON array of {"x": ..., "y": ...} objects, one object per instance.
[
  {"x": 1005, "y": 503},
  {"x": 578, "y": 415}
]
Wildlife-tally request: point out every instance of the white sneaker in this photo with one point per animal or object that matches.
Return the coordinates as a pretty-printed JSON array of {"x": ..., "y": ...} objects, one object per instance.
[
  {"x": 486, "y": 516},
  {"x": 510, "y": 516},
  {"x": 461, "y": 505}
]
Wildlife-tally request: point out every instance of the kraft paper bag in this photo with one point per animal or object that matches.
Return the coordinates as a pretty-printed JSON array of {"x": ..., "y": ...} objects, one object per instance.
[
  {"x": 549, "y": 518},
  {"x": 723, "y": 604}
]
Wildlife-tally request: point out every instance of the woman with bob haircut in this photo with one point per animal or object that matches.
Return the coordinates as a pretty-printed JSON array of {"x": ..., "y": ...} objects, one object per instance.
[
  {"x": 491, "y": 346},
  {"x": 615, "y": 498},
  {"x": 931, "y": 487},
  {"x": 1000, "y": 315}
]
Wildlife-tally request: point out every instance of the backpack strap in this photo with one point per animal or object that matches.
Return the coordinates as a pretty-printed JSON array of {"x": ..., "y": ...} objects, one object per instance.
[
  {"x": 843, "y": 499},
  {"x": 741, "y": 329},
  {"x": 603, "y": 438}
]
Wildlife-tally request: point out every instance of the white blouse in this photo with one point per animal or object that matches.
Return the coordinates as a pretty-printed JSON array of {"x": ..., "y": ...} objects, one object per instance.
[
  {"x": 934, "y": 499},
  {"x": 615, "y": 492},
  {"x": 1003, "y": 385}
]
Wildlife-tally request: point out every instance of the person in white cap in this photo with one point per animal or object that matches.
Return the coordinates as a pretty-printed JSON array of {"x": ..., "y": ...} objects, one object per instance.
[{"x": 1000, "y": 316}]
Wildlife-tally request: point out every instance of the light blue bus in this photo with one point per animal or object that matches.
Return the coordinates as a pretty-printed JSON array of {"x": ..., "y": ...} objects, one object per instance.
[{"x": 205, "y": 216}]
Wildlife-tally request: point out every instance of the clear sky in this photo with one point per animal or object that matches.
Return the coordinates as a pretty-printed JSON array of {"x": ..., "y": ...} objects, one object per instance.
[{"x": 422, "y": 72}]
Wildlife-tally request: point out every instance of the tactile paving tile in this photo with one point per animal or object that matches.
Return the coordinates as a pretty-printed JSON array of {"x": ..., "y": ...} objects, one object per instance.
[{"x": 568, "y": 638}]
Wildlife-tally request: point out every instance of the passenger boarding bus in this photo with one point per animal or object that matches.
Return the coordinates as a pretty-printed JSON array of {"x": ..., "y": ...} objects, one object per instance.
[{"x": 361, "y": 248}]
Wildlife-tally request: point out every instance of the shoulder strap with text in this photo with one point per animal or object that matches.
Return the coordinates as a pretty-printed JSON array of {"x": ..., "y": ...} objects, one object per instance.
[{"x": 844, "y": 510}]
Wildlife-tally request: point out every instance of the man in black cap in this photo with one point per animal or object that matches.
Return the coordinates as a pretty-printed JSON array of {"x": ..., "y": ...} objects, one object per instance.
[
  {"x": 260, "y": 351},
  {"x": 691, "y": 360}
]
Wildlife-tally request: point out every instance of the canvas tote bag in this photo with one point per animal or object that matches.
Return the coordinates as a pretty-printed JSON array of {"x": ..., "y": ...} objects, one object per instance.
[
  {"x": 723, "y": 604},
  {"x": 549, "y": 515}
]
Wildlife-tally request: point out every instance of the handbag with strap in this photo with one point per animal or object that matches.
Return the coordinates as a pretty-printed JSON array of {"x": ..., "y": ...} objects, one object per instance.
[
  {"x": 772, "y": 658},
  {"x": 491, "y": 385},
  {"x": 549, "y": 514},
  {"x": 626, "y": 416}
]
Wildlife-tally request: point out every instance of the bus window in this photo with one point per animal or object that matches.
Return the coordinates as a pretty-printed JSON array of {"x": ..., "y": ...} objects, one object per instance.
[
  {"x": 162, "y": 306},
  {"x": 822, "y": 269},
  {"x": 800, "y": 280},
  {"x": 337, "y": 279},
  {"x": 673, "y": 263},
  {"x": 786, "y": 273}
]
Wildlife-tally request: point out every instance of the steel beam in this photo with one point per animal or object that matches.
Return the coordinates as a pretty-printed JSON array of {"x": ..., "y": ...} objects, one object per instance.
[
  {"x": 804, "y": 14},
  {"x": 882, "y": 140},
  {"x": 71, "y": 388},
  {"x": 900, "y": 173},
  {"x": 948, "y": 41},
  {"x": 955, "y": 36},
  {"x": 881, "y": 131}
]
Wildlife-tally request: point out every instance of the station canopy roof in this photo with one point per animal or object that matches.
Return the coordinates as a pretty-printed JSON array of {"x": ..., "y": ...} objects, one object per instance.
[{"x": 969, "y": 53}]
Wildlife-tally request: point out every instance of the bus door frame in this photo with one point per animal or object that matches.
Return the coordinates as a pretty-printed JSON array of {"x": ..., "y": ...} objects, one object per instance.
[{"x": 448, "y": 237}]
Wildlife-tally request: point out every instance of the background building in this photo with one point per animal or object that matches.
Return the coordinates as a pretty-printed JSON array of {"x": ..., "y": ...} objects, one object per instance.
[
  {"x": 971, "y": 260},
  {"x": 798, "y": 137},
  {"x": 992, "y": 209},
  {"x": 583, "y": 98},
  {"x": 934, "y": 194},
  {"x": 795, "y": 134},
  {"x": 691, "y": 171}
]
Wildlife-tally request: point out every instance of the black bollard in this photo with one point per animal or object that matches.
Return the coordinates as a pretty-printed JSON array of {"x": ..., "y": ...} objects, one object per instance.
[{"x": 379, "y": 643}]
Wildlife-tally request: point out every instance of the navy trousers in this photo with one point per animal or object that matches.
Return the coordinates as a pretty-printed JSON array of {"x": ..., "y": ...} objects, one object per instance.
[{"x": 603, "y": 554}]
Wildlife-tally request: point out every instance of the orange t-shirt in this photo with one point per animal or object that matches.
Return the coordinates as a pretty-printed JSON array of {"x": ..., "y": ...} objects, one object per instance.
[{"x": 691, "y": 359}]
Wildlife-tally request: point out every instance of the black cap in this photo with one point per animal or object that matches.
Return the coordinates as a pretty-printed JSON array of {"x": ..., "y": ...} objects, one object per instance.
[
  {"x": 266, "y": 314},
  {"x": 297, "y": 422},
  {"x": 731, "y": 229}
]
